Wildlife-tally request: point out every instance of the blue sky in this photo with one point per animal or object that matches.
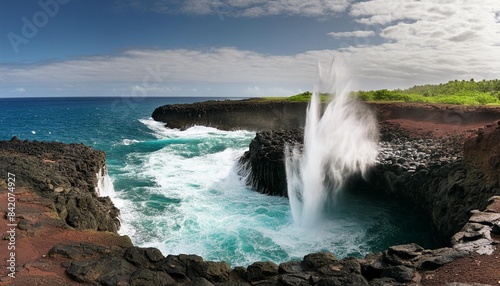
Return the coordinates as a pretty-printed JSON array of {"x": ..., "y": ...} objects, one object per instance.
[{"x": 239, "y": 47}]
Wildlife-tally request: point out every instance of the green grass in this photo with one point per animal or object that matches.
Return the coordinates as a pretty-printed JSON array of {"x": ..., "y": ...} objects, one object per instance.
[
  {"x": 454, "y": 92},
  {"x": 460, "y": 98},
  {"x": 301, "y": 97}
]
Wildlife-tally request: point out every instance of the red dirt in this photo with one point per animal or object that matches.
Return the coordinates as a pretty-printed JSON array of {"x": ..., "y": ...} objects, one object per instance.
[{"x": 32, "y": 245}]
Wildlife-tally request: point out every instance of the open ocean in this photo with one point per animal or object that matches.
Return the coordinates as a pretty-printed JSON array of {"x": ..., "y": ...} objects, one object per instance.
[{"x": 179, "y": 191}]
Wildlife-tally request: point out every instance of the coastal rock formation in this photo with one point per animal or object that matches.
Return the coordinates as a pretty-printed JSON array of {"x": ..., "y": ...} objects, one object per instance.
[
  {"x": 263, "y": 165},
  {"x": 234, "y": 114},
  {"x": 267, "y": 115},
  {"x": 399, "y": 265},
  {"x": 66, "y": 173},
  {"x": 431, "y": 172},
  {"x": 437, "y": 177}
]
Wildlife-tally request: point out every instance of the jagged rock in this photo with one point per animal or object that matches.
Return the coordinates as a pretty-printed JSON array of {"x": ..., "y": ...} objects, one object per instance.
[
  {"x": 480, "y": 246},
  {"x": 296, "y": 279},
  {"x": 406, "y": 251},
  {"x": 144, "y": 277},
  {"x": 261, "y": 271},
  {"x": 210, "y": 270},
  {"x": 234, "y": 114},
  {"x": 143, "y": 257},
  {"x": 372, "y": 268},
  {"x": 465, "y": 284},
  {"x": 24, "y": 224},
  {"x": 199, "y": 281},
  {"x": 263, "y": 165},
  {"x": 496, "y": 227},
  {"x": 78, "y": 250},
  {"x": 386, "y": 281},
  {"x": 314, "y": 261},
  {"x": 488, "y": 218},
  {"x": 290, "y": 267},
  {"x": 68, "y": 174},
  {"x": 177, "y": 266},
  {"x": 440, "y": 257},
  {"x": 399, "y": 273},
  {"x": 348, "y": 279},
  {"x": 108, "y": 270}
]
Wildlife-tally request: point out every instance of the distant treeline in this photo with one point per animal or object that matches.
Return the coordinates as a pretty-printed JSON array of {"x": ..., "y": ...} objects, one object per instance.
[{"x": 453, "y": 92}]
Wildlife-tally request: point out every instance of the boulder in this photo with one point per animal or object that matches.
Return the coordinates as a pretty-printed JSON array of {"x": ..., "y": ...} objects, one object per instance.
[
  {"x": 261, "y": 271},
  {"x": 314, "y": 261}
]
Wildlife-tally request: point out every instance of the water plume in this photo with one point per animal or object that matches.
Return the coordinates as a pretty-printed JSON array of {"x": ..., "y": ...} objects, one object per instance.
[{"x": 339, "y": 142}]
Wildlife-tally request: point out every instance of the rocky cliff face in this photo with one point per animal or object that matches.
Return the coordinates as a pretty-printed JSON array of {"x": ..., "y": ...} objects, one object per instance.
[
  {"x": 234, "y": 115},
  {"x": 252, "y": 114},
  {"x": 445, "y": 176},
  {"x": 67, "y": 173}
]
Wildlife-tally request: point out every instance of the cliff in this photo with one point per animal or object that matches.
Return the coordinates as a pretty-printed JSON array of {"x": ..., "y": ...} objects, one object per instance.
[
  {"x": 234, "y": 114},
  {"x": 67, "y": 174},
  {"x": 262, "y": 115}
]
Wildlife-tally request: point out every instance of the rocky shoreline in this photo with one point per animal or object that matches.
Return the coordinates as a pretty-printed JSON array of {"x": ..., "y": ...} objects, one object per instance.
[{"x": 60, "y": 181}]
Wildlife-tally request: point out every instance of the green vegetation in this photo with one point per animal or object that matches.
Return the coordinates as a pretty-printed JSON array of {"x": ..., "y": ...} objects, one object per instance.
[
  {"x": 486, "y": 92},
  {"x": 305, "y": 97}
]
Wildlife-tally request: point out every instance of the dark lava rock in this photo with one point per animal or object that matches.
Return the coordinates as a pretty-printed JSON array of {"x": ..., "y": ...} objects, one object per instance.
[
  {"x": 210, "y": 270},
  {"x": 314, "y": 261},
  {"x": 143, "y": 257},
  {"x": 78, "y": 250},
  {"x": 67, "y": 173},
  {"x": 261, "y": 271},
  {"x": 399, "y": 273},
  {"x": 234, "y": 114},
  {"x": 440, "y": 257},
  {"x": 143, "y": 277},
  {"x": 263, "y": 165},
  {"x": 108, "y": 270}
]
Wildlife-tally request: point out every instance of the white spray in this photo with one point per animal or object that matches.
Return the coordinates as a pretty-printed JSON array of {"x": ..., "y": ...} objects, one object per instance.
[{"x": 339, "y": 143}]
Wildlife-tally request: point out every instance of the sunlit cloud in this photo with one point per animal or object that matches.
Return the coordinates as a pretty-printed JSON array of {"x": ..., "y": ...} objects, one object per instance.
[
  {"x": 353, "y": 34},
  {"x": 404, "y": 43},
  {"x": 18, "y": 90},
  {"x": 244, "y": 8}
]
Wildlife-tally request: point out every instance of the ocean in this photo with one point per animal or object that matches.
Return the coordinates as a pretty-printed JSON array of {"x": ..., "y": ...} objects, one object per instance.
[{"x": 179, "y": 191}]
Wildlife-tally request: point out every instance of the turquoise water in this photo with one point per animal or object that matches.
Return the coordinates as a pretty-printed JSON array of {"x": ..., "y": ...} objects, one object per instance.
[{"x": 179, "y": 191}]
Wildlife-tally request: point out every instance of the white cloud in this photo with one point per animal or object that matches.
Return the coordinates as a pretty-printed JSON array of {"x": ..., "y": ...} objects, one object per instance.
[
  {"x": 353, "y": 34},
  {"x": 245, "y": 8},
  {"x": 428, "y": 41},
  {"x": 153, "y": 90},
  {"x": 18, "y": 90},
  {"x": 269, "y": 91},
  {"x": 422, "y": 42},
  {"x": 152, "y": 68}
]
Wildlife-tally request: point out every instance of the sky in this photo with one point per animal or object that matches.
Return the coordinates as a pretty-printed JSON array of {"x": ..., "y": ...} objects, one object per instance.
[{"x": 240, "y": 48}]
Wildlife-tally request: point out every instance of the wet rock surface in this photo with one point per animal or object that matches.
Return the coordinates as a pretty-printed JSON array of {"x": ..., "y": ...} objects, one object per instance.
[
  {"x": 263, "y": 166},
  {"x": 429, "y": 171}
]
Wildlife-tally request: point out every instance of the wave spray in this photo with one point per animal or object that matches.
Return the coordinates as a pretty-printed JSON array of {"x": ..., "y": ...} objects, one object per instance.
[{"x": 339, "y": 142}]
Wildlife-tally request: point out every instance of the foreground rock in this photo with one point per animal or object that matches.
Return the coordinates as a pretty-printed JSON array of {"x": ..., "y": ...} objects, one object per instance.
[{"x": 67, "y": 173}]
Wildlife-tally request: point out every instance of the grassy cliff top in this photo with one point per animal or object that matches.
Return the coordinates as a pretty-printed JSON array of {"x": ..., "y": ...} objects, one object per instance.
[{"x": 486, "y": 92}]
